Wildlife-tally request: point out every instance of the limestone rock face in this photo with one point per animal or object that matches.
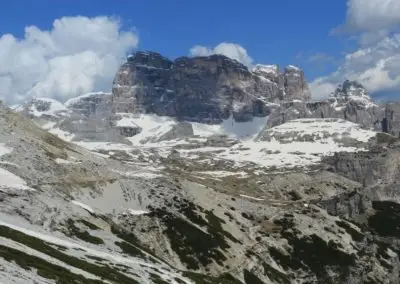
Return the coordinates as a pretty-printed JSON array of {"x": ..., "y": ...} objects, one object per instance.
[
  {"x": 295, "y": 84},
  {"x": 42, "y": 108},
  {"x": 90, "y": 118},
  {"x": 203, "y": 89},
  {"x": 350, "y": 101},
  {"x": 391, "y": 123}
]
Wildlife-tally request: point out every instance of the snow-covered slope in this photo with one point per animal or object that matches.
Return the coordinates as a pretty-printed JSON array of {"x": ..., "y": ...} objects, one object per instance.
[
  {"x": 39, "y": 107},
  {"x": 296, "y": 143},
  {"x": 80, "y": 99}
]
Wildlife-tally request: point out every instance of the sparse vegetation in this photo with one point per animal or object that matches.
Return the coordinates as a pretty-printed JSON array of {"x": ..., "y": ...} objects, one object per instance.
[
  {"x": 312, "y": 253},
  {"x": 104, "y": 271},
  {"x": 204, "y": 279},
  {"x": 275, "y": 275},
  {"x": 44, "y": 268},
  {"x": 130, "y": 249},
  {"x": 248, "y": 216},
  {"x": 383, "y": 138},
  {"x": 192, "y": 245},
  {"x": 89, "y": 225},
  {"x": 251, "y": 278},
  {"x": 386, "y": 221},
  {"x": 356, "y": 235},
  {"x": 83, "y": 235},
  {"x": 136, "y": 247},
  {"x": 157, "y": 279}
]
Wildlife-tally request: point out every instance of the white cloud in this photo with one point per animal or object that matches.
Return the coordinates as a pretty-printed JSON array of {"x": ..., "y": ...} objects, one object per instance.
[
  {"x": 372, "y": 15},
  {"x": 320, "y": 57},
  {"x": 376, "y": 61},
  {"x": 231, "y": 50},
  {"x": 375, "y": 66},
  {"x": 77, "y": 55},
  {"x": 321, "y": 88}
]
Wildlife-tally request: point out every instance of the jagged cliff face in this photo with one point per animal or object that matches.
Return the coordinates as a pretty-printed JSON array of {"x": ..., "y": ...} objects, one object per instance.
[
  {"x": 350, "y": 101},
  {"x": 391, "y": 121},
  {"x": 204, "y": 89}
]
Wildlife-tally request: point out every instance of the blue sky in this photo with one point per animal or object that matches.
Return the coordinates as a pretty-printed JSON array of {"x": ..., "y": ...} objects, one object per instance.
[
  {"x": 272, "y": 32},
  {"x": 282, "y": 32}
]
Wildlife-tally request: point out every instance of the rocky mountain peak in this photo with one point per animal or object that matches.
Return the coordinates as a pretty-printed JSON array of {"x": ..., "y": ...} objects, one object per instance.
[
  {"x": 292, "y": 69},
  {"x": 266, "y": 69},
  {"x": 204, "y": 89},
  {"x": 38, "y": 107},
  {"x": 295, "y": 84},
  {"x": 352, "y": 92},
  {"x": 149, "y": 59},
  {"x": 215, "y": 64}
]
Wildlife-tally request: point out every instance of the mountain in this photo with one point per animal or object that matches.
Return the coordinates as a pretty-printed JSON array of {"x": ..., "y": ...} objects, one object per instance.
[
  {"x": 202, "y": 89},
  {"x": 350, "y": 101},
  {"x": 120, "y": 188}
]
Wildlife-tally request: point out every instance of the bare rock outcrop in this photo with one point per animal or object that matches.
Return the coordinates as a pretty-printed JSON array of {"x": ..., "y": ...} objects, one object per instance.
[{"x": 203, "y": 89}]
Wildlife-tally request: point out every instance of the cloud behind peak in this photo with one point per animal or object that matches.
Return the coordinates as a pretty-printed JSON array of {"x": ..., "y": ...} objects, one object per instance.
[{"x": 77, "y": 55}]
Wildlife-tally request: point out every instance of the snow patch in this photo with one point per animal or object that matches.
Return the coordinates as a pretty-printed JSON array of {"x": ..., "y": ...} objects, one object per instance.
[
  {"x": 153, "y": 126},
  {"x": 231, "y": 128},
  {"x": 64, "y": 135},
  {"x": 55, "y": 107},
  {"x": 82, "y": 205},
  {"x": 75, "y": 100},
  {"x": 291, "y": 150},
  {"x": 292, "y": 68},
  {"x": 136, "y": 212},
  {"x": 4, "y": 150},
  {"x": 224, "y": 173},
  {"x": 140, "y": 174},
  {"x": 251, "y": 197},
  {"x": 260, "y": 68},
  {"x": 10, "y": 181},
  {"x": 62, "y": 161}
]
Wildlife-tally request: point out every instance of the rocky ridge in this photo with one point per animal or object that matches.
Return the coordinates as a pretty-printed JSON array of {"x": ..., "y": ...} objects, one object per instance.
[
  {"x": 203, "y": 89},
  {"x": 350, "y": 101}
]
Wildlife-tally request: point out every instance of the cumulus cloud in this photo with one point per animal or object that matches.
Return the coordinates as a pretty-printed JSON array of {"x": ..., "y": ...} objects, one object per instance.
[
  {"x": 376, "y": 60},
  {"x": 371, "y": 15},
  {"x": 76, "y": 56},
  {"x": 231, "y": 50},
  {"x": 321, "y": 88},
  {"x": 375, "y": 66}
]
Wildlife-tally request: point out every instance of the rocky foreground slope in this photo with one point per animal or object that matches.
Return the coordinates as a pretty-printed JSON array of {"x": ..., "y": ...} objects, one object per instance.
[
  {"x": 91, "y": 193},
  {"x": 200, "y": 209}
]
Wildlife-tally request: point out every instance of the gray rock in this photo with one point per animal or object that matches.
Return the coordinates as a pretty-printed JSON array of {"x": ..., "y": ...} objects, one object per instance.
[
  {"x": 295, "y": 84},
  {"x": 391, "y": 122},
  {"x": 350, "y": 101},
  {"x": 180, "y": 130},
  {"x": 204, "y": 89},
  {"x": 91, "y": 119},
  {"x": 378, "y": 170},
  {"x": 347, "y": 205}
]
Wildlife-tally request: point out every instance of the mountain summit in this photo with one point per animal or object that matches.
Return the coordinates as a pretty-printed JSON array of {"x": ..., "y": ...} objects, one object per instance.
[{"x": 203, "y": 89}]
